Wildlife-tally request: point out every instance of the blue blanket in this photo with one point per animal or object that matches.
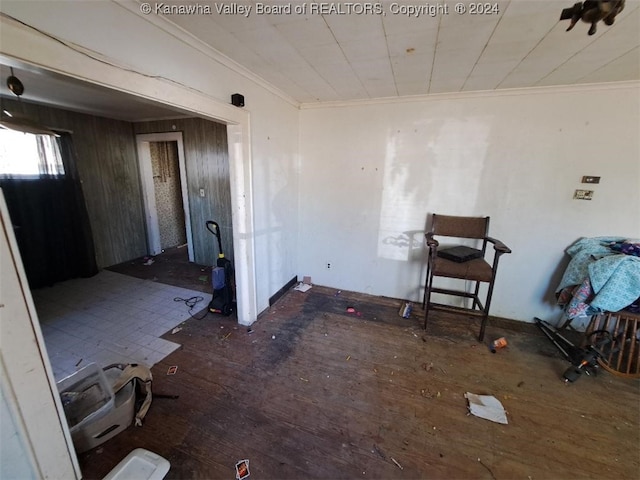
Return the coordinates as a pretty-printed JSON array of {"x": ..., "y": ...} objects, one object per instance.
[
  {"x": 615, "y": 281},
  {"x": 614, "y": 277}
]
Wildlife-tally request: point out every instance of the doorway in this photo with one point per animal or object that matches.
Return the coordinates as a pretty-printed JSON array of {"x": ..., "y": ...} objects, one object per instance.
[{"x": 164, "y": 189}]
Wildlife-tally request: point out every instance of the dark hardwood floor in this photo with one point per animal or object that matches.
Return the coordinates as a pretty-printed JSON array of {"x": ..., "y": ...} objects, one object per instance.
[
  {"x": 313, "y": 391},
  {"x": 171, "y": 267}
]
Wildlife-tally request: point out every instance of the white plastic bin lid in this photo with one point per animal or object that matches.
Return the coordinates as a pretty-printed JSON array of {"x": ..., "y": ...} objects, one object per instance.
[{"x": 140, "y": 464}]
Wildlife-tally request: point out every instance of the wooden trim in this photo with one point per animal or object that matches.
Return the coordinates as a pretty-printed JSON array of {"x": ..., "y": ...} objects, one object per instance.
[
  {"x": 276, "y": 296},
  {"x": 146, "y": 179},
  {"x": 510, "y": 92}
]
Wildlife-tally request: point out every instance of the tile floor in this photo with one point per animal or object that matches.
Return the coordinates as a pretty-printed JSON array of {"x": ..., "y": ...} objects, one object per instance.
[{"x": 110, "y": 318}]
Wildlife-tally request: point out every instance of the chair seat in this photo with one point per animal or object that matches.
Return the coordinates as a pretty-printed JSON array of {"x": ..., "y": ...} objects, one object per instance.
[{"x": 477, "y": 270}]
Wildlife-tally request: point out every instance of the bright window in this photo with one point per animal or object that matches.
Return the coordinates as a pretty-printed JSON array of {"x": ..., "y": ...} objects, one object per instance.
[{"x": 26, "y": 154}]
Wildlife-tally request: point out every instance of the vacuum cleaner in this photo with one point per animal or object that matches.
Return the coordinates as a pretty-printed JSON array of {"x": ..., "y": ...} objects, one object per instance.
[{"x": 222, "y": 301}]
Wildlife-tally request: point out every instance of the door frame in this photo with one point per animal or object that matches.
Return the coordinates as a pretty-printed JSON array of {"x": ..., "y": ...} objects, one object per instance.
[
  {"x": 148, "y": 189},
  {"x": 39, "y": 437}
]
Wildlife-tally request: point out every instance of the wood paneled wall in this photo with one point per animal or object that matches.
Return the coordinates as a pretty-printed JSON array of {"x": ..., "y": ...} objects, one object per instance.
[
  {"x": 108, "y": 168},
  {"x": 207, "y": 164}
]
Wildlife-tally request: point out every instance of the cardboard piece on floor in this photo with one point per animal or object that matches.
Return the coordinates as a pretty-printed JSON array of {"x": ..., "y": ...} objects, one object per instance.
[{"x": 487, "y": 407}]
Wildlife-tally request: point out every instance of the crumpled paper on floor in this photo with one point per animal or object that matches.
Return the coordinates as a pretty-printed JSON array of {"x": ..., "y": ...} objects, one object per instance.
[{"x": 487, "y": 407}]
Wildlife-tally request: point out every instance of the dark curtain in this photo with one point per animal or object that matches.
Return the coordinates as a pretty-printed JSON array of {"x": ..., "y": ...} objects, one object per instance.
[{"x": 51, "y": 223}]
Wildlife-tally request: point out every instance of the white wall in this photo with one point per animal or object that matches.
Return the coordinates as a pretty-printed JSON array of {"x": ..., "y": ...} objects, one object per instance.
[
  {"x": 372, "y": 171},
  {"x": 137, "y": 55},
  {"x": 274, "y": 139}
]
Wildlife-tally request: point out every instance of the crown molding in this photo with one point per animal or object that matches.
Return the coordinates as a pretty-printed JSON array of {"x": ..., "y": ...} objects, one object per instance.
[
  {"x": 507, "y": 92},
  {"x": 184, "y": 36}
]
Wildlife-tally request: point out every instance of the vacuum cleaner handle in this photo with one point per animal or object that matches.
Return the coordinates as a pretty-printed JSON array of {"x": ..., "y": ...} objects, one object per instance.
[
  {"x": 216, "y": 233},
  {"x": 217, "y": 228}
]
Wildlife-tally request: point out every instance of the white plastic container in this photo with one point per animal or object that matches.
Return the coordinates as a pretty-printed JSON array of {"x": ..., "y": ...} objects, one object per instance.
[
  {"x": 86, "y": 395},
  {"x": 102, "y": 428},
  {"x": 140, "y": 464},
  {"x": 108, "y": 419}
]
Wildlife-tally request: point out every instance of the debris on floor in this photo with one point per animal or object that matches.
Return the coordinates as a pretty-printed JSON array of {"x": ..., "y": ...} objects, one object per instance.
[
  {"x": 175, "y": 330},
  {"x": 353, "y": 310},
  {"x": 406, "y": 309},
  {"x": 488, "y": 469},
  {"x": 172, "y": 370},
  {"x": 302, "y": 287},
  {"x": 497, "y": 344},
  {"x": 378, "y": 451},
  {"x": 242, "y": 469},
  {"x": 427, "y": 393},
  {"x": 148, "y": 261},
  {"x": 487, "y": 407}
]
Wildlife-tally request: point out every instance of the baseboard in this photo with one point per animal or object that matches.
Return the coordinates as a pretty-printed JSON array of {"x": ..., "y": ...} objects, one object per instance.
[{"x": 276, "y": 296}]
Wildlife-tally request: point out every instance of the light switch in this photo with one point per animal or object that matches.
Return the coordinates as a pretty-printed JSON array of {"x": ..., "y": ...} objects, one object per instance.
[
  {"x": 202, "y": 192},
  {"x": 583, "y": 195},
  {"x": 590, "y": 179}
]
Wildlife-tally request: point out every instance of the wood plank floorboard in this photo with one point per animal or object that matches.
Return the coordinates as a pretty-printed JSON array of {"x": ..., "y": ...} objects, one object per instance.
[{"x": 317, "y": 392}]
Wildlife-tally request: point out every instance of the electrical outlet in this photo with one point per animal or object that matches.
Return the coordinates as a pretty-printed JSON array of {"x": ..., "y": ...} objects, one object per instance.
[
  {"x": 590, "y": 179},
  {"x": 328, "y": 266},
  {"x": 583, "y": 195},
  {"x": 202, "y": 192}
]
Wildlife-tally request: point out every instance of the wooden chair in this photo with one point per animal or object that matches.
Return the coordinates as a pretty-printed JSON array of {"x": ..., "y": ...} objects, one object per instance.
[
  {"x": 477, "y": 270},
  {"x": 620, "y": 356}
]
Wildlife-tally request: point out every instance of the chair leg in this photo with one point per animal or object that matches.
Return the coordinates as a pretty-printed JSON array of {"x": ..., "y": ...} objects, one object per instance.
[
  {"x": 426, "y": 283},
  {"x": 483, "y": 326},
  {"x": 486, "y": 311},
  {"x": 427, "y": 296},
  {"x": 476, "y": 292}
]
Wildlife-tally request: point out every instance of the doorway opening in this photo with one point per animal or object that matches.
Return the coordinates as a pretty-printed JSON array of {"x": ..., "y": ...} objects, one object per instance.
[{"x": 164, "y": 188}]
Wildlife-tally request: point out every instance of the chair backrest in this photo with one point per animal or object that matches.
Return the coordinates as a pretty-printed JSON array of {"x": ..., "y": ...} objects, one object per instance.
[{"x": 461, "y": 227}]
